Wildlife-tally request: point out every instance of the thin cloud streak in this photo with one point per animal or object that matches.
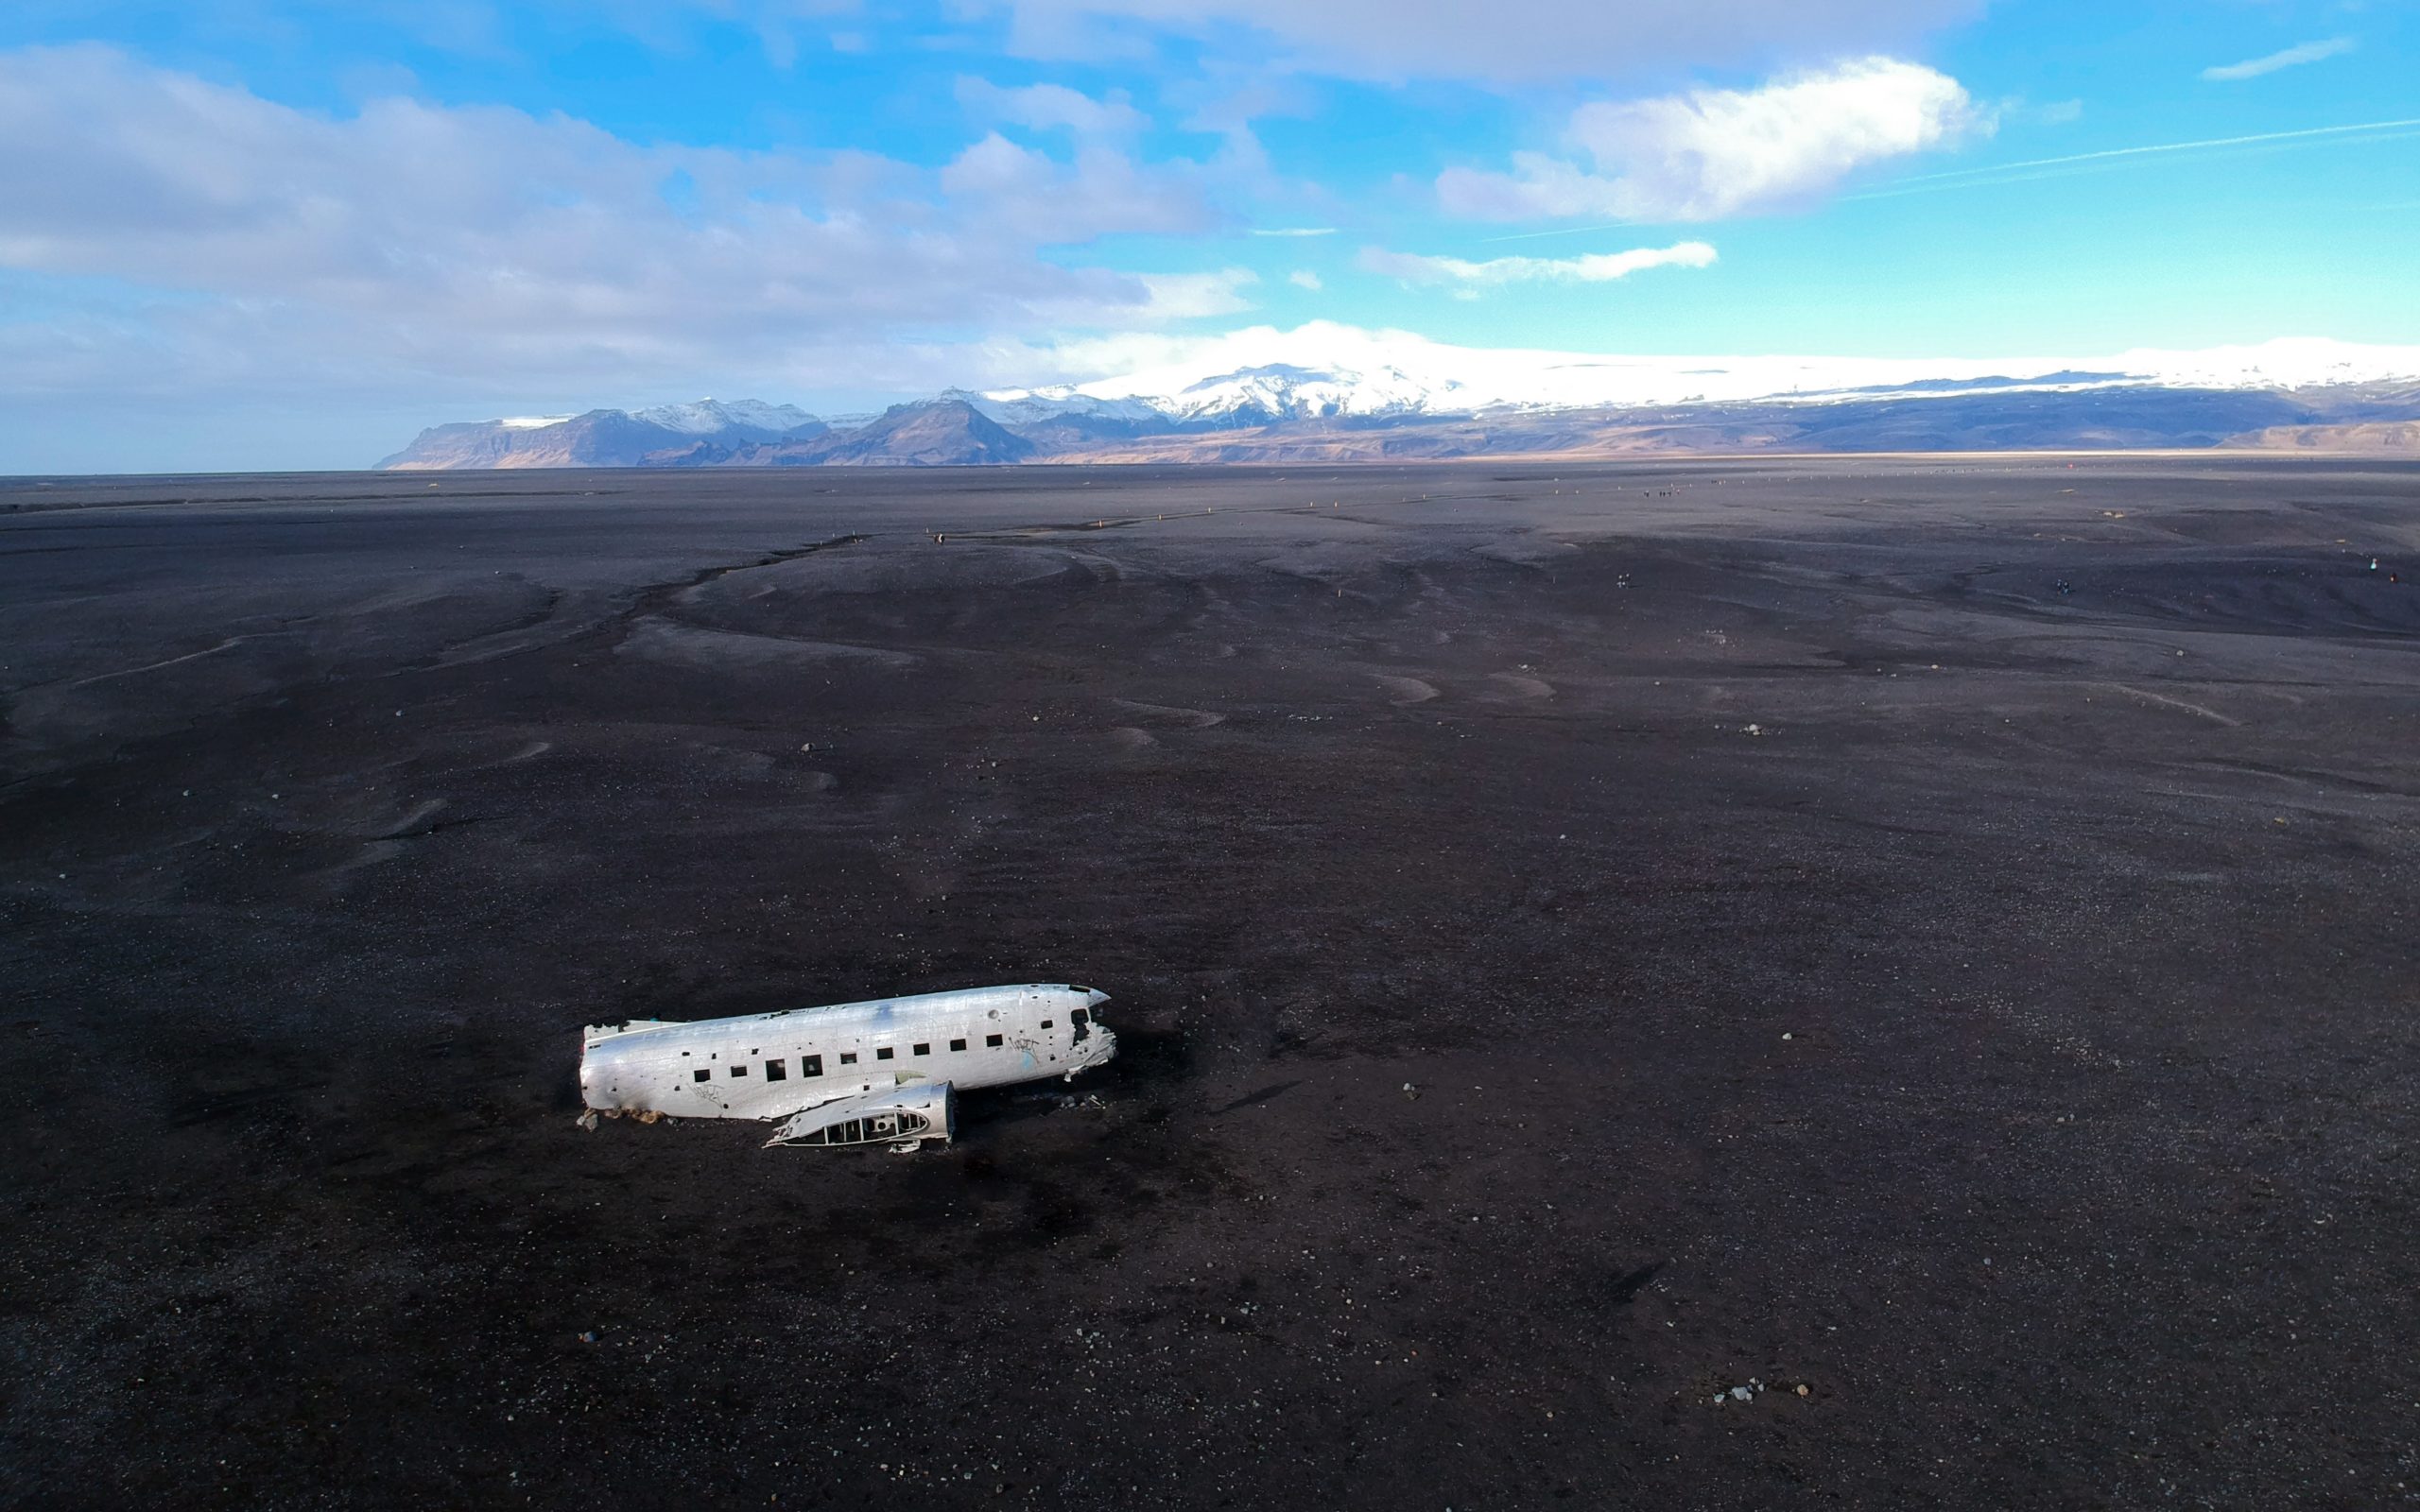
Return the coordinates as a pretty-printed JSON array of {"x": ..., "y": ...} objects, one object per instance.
[
  {"x": 1561, "y": 230},
  {"x": 2309, "y": 52},
  {"x": 1595, "y": 268},
  {"x": 1987, "y": 177}
]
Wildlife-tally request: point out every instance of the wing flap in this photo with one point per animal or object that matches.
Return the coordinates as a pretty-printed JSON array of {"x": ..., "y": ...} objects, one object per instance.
[{"x": 901, "y": 1117}]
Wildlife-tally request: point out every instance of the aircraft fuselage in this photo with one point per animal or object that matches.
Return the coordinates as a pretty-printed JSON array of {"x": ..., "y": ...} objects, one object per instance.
[{"x": 776, "y": 1065}]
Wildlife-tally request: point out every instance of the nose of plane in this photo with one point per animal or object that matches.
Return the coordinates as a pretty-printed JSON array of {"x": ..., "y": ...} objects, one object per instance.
[{"x": 1094, "y": 996}]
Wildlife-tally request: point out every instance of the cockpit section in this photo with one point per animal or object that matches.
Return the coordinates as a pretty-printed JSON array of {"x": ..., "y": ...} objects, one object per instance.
[{"x": 1090, "y": 1043}]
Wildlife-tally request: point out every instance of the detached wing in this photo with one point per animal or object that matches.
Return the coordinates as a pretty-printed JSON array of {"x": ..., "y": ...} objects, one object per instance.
[{"x": 893, "y": 1115}]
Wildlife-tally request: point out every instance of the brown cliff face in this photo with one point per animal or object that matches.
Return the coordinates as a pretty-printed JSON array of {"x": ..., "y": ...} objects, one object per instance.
[
  {"x": 602, "y": 438},
  {"x": 949, "y": 434},
  {"x": 2392, "y": 438}
]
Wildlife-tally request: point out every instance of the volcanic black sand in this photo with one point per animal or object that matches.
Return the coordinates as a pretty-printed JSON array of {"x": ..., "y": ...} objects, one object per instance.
[{"x": 1935, "y": 944}]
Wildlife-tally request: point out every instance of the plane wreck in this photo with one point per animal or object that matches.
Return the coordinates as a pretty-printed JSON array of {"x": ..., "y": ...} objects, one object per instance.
[{"x": 882, "y": 1072}]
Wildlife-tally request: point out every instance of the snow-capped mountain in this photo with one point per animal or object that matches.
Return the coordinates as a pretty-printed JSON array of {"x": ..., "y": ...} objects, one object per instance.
[
  {"x": 1284, "y": 390},
  {"x": 1323, "y": 369},
  {"x": 2289, "y": 363},
  {"x": 1262, "y": 393},
  {"x": 1031, "y": 406},
  {"x": 714, "y": 417}
]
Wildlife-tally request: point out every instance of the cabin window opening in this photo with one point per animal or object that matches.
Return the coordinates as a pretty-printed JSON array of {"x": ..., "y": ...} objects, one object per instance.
[
  {"x": 1046, "y": 1024},
  {"x": 883, "y": 1054},
  {"x": 702, "y": 1074},
  {"x": 924, "y": 1050},
  {"x": 848, "y": 1057},
  {"x": 810, "y": 1065},
  {"x": 775, "y": 1071},
  {"x": 957, "y": 1044},
  {"x": 738, "y": 1070},
  {"x": 992, "y": 1041}
]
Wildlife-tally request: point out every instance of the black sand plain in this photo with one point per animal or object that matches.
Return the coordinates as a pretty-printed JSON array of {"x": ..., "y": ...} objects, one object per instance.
[{"x": 1936, "y": 932}]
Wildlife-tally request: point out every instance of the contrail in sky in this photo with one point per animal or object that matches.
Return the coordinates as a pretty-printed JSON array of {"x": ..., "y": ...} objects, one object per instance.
[
  {"x": 2206, "y": 145},
  {"x": 1983, "y": 177}
]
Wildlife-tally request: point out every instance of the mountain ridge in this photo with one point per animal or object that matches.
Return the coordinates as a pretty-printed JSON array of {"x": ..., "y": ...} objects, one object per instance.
[
  {"x": 598, "y": 437},
  {"x": 1441, "y": 402}
]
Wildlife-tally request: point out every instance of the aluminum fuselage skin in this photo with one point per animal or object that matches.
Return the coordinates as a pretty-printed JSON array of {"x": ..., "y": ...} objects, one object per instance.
[{"x": 848, "y": 1048}]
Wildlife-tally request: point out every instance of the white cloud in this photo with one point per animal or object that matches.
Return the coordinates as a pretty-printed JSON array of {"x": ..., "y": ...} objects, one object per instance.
[
  {"x": 1709, "y": 154},
  {"x": 1045, "y": 106},
  {"x": 1516, "y": 40},
  {"x": 1193, "y": 296},
  {"x": 1293, "y": 230},
  {"x": 1223, "y": 97},
  {"x": 1040, "y": 201},
  {"x": 1591, "y": 267},
  {"x": 2309, "y": 52},
  {"x": 419, "y": 250},
  {"x": 1302, "y": 278}
]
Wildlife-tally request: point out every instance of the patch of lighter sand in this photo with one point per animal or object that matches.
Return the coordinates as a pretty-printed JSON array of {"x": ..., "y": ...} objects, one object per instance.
[
  {"x": 2167, "y": 701},
  {"x": 693, "y": 646},
  {"x": 227, "y": 644},
  {"x": 1407, "y": 691},
  {"x": 416, "y": 817},
  {"x": 1522, "y": 684},
  {"x": 1197, "y": 718},
  {"x": 1525, "y": 548}
]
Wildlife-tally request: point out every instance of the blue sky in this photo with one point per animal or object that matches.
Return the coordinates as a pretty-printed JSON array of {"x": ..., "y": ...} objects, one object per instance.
[{"x": 286, "y": 233}]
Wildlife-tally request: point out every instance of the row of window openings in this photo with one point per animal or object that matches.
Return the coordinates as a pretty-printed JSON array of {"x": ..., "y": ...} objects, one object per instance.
[{"x": 813, "y": 1065}]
